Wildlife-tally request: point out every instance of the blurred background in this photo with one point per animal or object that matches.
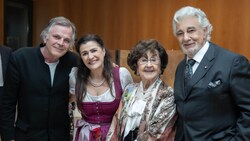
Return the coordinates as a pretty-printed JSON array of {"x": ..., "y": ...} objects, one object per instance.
[{"x": 122, "y": 23}]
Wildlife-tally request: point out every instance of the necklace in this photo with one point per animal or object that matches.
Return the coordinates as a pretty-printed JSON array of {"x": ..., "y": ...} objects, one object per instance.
[{"x": 96, "y": 84}]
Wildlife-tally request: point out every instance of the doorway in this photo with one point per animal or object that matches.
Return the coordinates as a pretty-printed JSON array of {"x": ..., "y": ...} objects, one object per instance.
[{"x": 17, "y": 23}]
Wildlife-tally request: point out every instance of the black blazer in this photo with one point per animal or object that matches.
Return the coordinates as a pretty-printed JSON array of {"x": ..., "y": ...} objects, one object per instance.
[
  {"x": 215, "y": 106},
  {"x": 42, "y": 108},
  {"x": 5, "y": 55}
]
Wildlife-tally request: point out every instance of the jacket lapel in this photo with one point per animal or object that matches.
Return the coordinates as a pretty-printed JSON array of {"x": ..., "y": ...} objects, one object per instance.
[
  {"x": 4, "y": 59},
  {"x": 205, "y": 64}
]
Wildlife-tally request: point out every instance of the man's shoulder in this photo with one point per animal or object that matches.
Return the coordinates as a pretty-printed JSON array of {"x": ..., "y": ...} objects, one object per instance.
[
  {"x": 72, "y": 55},
  {"x": 222, "y": 51},
  {"x": 24, "y": 49},
  {"x": 227, "y": 56},
  {"x": 5, "y": 48}
]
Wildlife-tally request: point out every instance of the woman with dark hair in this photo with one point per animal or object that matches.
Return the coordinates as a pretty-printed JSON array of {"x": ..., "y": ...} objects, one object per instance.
[
  {"x": 147, "y": 111},
  {"x": 97, "y": 85}
]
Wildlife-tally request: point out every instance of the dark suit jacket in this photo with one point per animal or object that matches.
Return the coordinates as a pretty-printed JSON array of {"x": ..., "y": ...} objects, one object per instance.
[
  {"x": 215, "y": 106},
  {"x": 42, "y": 108},
  {"x": 5, "y": 55}
]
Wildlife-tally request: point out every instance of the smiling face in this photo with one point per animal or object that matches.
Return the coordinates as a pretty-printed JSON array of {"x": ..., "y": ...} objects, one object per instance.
[
  {"x": 57, "y": 42},
  {"x": 149, "y": 66},
  {"x": 92, "y": 55},
  {"x": 190, "y": 35}
]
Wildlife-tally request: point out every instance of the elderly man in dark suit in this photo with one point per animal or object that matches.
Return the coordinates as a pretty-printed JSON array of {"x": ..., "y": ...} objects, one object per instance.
[
  {"x": 4, "y": 59},
  {"x": 213, "y": 92}
]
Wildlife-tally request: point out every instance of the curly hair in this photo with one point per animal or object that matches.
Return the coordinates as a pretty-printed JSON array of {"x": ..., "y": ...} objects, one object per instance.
[{"x": 141, "y": 48}]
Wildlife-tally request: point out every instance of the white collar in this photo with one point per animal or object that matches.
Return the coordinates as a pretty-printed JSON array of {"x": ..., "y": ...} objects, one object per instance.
[{"x": 200, "y": 54}]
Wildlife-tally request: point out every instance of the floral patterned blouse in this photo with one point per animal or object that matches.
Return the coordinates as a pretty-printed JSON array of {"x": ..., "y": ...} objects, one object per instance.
[{"x": 153, "y": 112}]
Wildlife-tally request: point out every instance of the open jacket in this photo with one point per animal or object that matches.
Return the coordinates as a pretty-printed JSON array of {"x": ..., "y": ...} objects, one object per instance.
[
  {"x": 42, "y": 107},
  {"x": 215, "y": 103}
]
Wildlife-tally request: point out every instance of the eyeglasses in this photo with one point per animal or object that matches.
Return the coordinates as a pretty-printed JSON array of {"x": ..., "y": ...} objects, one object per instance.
[{"x": 144, "y": 61}]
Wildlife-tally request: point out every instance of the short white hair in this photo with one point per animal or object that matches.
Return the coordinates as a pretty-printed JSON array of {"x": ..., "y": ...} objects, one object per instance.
[{"x": 196, "y": 12}]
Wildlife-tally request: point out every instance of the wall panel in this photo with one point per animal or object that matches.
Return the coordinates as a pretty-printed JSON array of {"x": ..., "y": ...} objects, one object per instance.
[
  {"x": 122, "y": 23},
  {"x": 1, "y": 22}
]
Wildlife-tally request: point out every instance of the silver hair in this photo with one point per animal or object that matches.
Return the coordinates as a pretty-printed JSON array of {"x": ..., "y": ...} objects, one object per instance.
[
  {"x": 62, "y": 21},
  {"x": 191, "y": 11}
]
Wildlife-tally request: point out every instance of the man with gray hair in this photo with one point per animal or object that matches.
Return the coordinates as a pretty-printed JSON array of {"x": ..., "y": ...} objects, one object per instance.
[
  {"x": 211, "y": 87},
  {"x": 37, "y": 83}
]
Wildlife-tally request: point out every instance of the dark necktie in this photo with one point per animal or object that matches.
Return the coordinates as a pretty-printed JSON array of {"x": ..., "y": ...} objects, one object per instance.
[{"x": 188, "y": 69}]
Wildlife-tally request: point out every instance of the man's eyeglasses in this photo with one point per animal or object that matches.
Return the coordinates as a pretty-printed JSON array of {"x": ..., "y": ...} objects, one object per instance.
[{"x": 144, "y": 61}]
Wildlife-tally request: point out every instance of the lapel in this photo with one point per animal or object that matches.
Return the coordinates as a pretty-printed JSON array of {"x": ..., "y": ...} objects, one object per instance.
[
  {"x": 205, "y": 64},
  {"x": 3, "y": 58}
]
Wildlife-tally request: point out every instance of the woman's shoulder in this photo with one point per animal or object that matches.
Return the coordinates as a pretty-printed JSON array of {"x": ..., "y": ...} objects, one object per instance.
[
  {"x": 123, "y": 70},
  {"x": 130, "y": 87},
  {"x": 167, "y": 89},
  {"x": 128, "y": 91},
  {"x": 133, "y": 84},
  {"x": 125, "y": 75},
  {"x": 73, "y": 71}
]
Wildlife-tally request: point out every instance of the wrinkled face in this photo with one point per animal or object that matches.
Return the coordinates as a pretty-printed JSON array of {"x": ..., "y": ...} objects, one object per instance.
[
  {"x": 190, "y": 35},
  {"x": 58, "y": 41},
  {"x": 92, "y": 55},
  {"x": 149, "y": 66}
]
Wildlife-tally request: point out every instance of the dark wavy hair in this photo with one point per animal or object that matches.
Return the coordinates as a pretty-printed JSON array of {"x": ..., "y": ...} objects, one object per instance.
[
  {"x": 84, "y": 72},
  {"x": 141, "y": 48}
]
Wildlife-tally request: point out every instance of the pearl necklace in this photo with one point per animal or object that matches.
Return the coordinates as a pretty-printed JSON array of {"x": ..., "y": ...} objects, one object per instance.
[{"x": 96, "y": 84}]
